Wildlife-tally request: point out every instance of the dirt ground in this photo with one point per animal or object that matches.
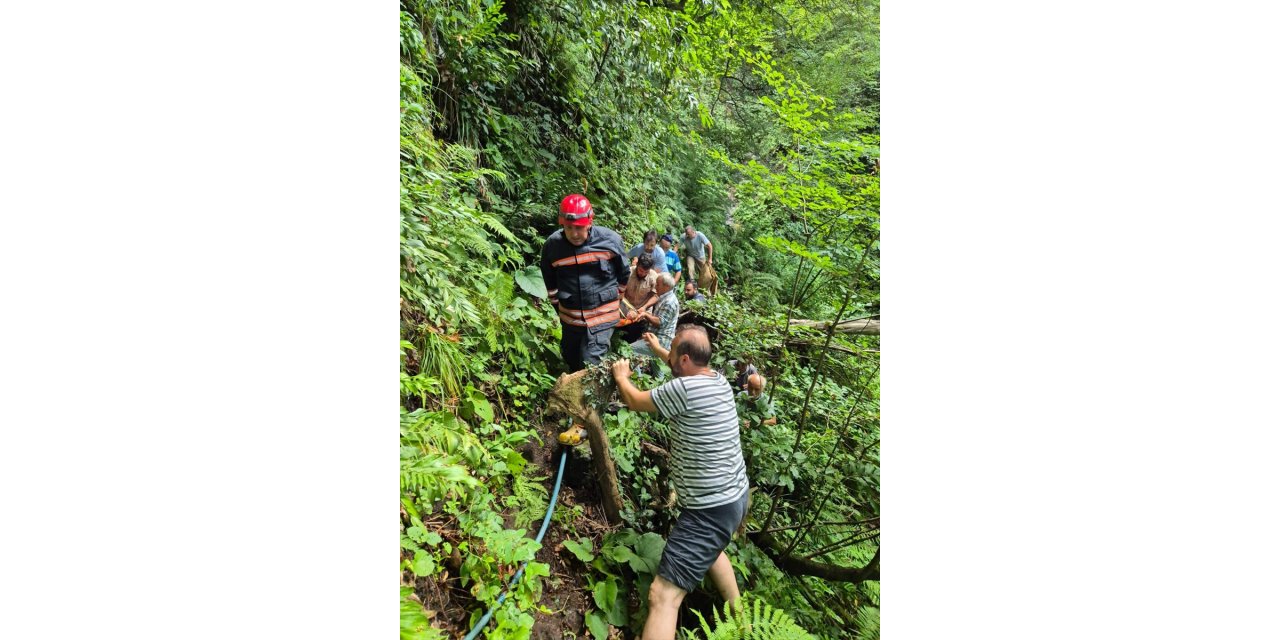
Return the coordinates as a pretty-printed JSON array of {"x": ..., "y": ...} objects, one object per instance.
[{"x": 565, "y": 592}]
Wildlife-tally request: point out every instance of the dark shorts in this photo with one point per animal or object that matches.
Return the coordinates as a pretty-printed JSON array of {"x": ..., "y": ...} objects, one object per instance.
[{"x": 697, "y": 540}]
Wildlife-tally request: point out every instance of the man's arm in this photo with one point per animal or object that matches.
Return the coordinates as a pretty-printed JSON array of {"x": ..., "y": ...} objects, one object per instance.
[
  {"x": 620, "y": 265},
  {"x": 649, "y": 302},
  {"x": 549, "y": 275},
  {"x": 655, "y": 320},
  {"x": 655, "y": 346},
  {"x": 710, "y": 251},
  {"x": 633, "y": 397}
]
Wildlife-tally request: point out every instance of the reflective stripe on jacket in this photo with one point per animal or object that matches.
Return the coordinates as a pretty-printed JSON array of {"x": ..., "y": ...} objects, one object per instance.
[{"x": 585, "y": 280}]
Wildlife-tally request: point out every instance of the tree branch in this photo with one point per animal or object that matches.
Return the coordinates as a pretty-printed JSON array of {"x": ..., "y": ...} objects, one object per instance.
[
  {"x": 798, "y": 566},
  {"x": 851, "y": 539},
  {"x": 829, "y": 523}
]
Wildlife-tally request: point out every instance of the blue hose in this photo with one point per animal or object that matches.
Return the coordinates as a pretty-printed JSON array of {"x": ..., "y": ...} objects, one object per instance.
[{"x": 555, "y": 493}]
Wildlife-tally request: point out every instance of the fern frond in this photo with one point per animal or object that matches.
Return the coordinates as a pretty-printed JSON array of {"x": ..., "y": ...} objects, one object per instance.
[
  {"x": 528, "y": 497},
  {"x": 434, "y": 476},
  {"x": 501, "y": 290},
  {"x": 868, "y": 622},
  {"x": 475, "y": 243},
  {"x": 493, "y": 224},
  {"x": 754, "y": 619}
]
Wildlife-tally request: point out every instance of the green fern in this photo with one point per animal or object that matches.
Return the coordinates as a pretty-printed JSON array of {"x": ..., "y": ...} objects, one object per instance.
[
  {"x": 763, "y": 280},
  {"x": 868, "y": 622},
  {"x": 497, "y": 295},
  {"x": 434, "y": 477},
  {"x": 438, "y": 455},
  {"x": 528, "y": 497},
  {"x": 476, "y": 244},
  {"x": 493, "y": 224},
  {"x": 754, "y": 620},
  {"x": 501, "y": 290},
  {"x": 443, "y": 433}
]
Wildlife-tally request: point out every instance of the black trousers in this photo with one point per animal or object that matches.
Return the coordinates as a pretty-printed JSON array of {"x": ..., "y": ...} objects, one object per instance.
[
  {"x": 633, "y": 331},
  {"x": 580, "y": 346}
]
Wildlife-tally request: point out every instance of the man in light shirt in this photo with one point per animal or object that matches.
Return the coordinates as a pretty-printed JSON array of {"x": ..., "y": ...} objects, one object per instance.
[
  {"x": 700, "y": 254},
  {"x": 662, "y": 320},
  {"x": 649, "y": 246}
]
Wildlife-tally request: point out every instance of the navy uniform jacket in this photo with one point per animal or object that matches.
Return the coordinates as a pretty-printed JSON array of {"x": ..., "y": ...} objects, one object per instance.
[{"x": 584, "y": 280}]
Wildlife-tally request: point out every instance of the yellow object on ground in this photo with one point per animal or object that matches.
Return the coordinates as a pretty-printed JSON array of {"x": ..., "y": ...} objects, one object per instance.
[{"x": 574, "y": 435}]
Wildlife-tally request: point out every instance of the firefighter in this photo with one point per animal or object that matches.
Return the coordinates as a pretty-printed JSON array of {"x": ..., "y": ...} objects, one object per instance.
[{"x": 583, "y": 268}]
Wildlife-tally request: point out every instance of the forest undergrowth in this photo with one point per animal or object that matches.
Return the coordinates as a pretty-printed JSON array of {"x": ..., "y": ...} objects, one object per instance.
[{"x": 755, "y": 122}]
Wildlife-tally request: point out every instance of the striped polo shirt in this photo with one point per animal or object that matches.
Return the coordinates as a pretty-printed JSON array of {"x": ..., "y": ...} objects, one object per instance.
[{"x": 706, "y": 455}]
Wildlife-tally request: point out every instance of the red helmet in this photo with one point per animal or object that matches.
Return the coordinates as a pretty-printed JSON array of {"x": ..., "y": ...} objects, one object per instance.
[{"x": 575, "y": 210}]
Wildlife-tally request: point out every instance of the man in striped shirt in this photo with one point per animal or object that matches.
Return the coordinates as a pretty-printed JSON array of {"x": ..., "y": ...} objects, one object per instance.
[{"x": 706, "y": 465}]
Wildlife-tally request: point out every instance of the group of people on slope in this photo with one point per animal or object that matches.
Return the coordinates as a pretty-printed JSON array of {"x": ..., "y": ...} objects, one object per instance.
[
  {"x": 595, "y": 286},
  {"x": 666, "y": 258}
]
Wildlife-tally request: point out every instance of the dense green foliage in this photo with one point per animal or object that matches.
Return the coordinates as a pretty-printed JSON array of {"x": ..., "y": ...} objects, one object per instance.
[
  {"x": 758, "y": 123},
  {"x": 755, "y": 619}
]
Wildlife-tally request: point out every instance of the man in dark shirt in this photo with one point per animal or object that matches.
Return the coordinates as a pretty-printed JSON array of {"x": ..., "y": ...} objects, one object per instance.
[
  {"x": 739, "y": 371},
  {"x": 691, "y": 292},
  {"x": 583, "y": 268}
]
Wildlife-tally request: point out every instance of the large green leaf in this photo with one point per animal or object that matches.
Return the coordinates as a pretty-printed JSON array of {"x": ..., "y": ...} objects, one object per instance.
[
  {"x": 620, "y": 554},
  {"x": 605, "y": 592},
  {"x": 597, "y": 625},
  {"x": 648, "y": 553},
  {"x": 580, "y": 549},
  {"x": 613, "y": 603},
  {"x": 423, "y": 564},
  {"x": 530, "y": 280},
  {"x": 477, "y": 405}
]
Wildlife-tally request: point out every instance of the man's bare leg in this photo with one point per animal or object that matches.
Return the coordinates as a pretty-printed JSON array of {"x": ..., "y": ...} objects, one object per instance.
[
  {"x": 726, "y": 583},
  {"x": 664, "y": 606}
]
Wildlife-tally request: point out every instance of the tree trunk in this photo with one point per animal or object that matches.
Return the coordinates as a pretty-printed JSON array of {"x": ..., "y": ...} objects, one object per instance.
[
  {"x": 861, "y": 326},
  {"x": 606, "y": 472},
  {"x": 570, "y": 397}
]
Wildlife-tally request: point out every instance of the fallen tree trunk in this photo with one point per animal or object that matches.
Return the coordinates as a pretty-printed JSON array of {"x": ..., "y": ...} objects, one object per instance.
[
  {"x": 799, "y": 566},
  {"x": 802, "y": 344},
  {"x": 570, "y": 397},
  {"x": 860, "y": 326}
]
